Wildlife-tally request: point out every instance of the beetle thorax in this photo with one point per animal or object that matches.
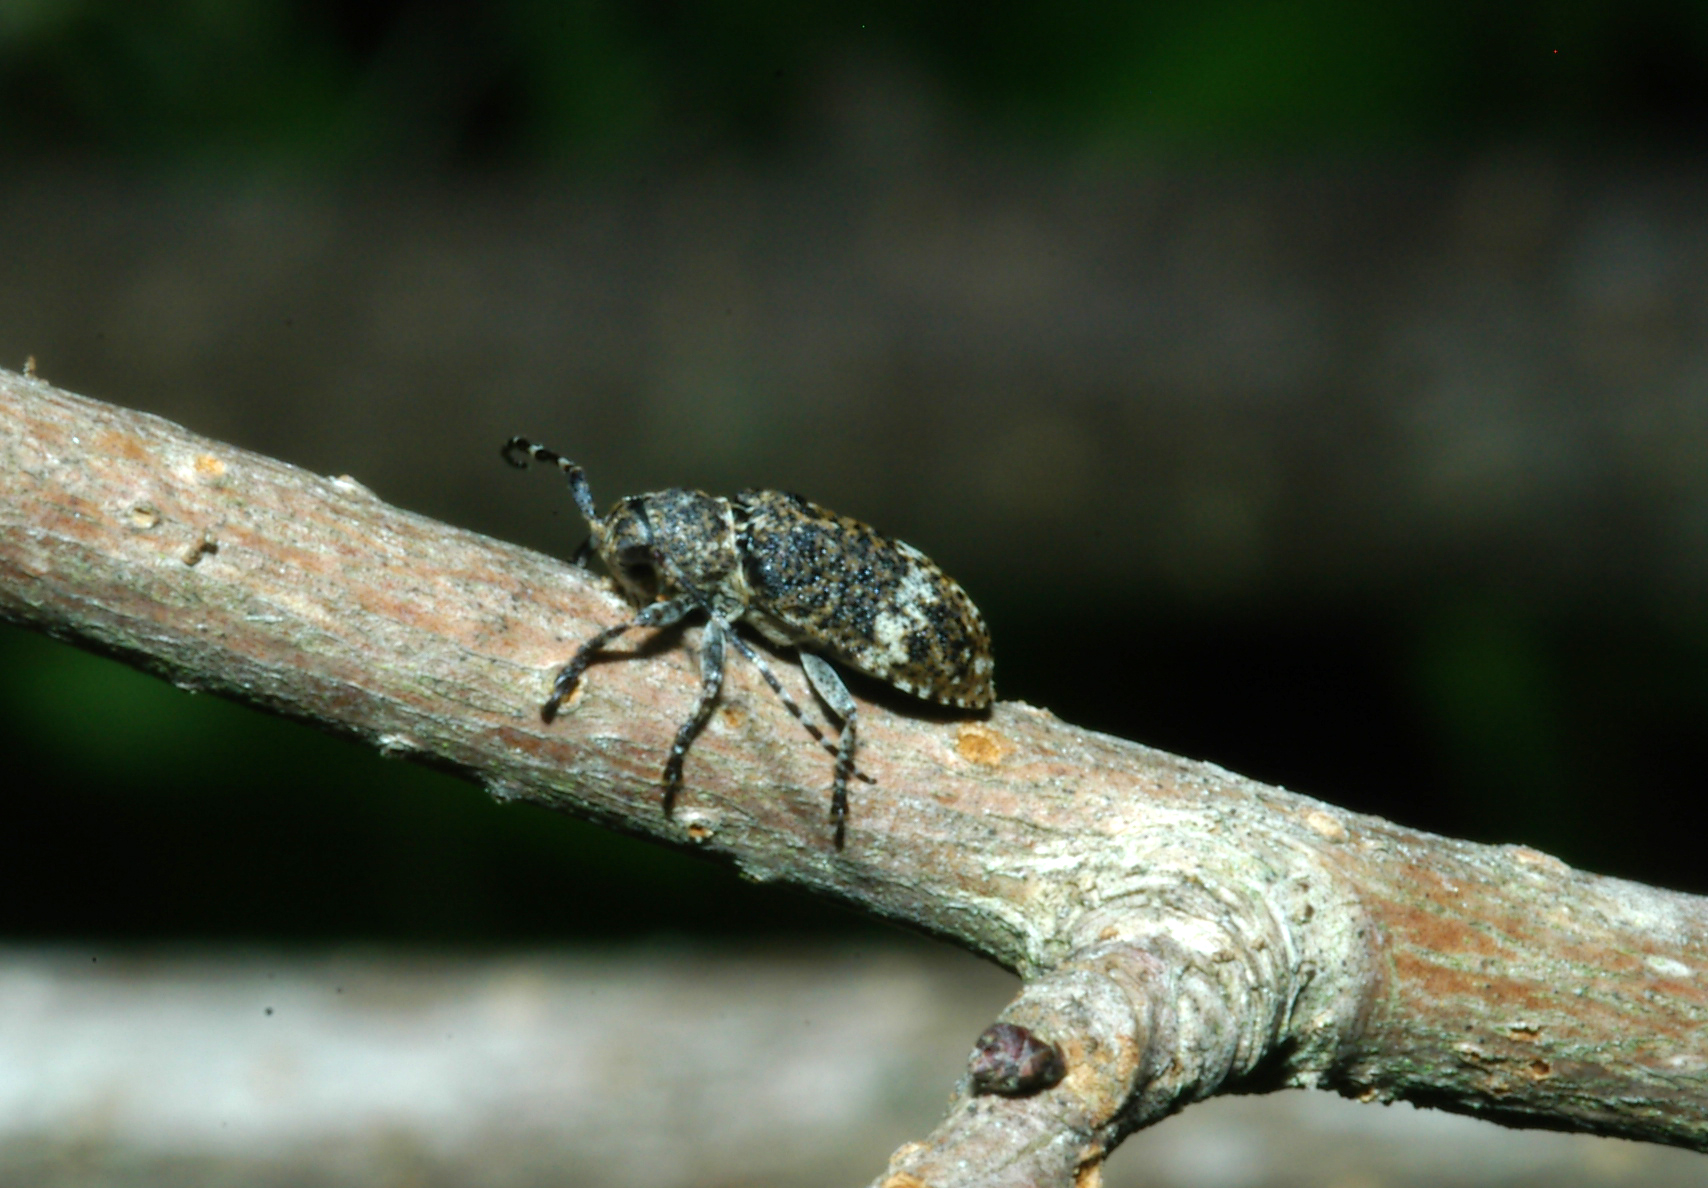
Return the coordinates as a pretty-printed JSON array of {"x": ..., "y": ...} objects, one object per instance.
[{"x": 695, "y": 531}]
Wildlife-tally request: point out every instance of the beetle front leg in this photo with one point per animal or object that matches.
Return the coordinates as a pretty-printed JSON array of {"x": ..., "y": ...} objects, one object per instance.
[{"x": 659, "y": 614}]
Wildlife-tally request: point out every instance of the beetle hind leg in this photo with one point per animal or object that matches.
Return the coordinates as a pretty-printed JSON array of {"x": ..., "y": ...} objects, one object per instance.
[
  {"x": 789, "y": 703},
  {"x": 835, "y": 694}
]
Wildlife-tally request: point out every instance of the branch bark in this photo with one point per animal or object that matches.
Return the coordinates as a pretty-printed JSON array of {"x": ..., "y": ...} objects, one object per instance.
[{"x": 1183, "y": 931}]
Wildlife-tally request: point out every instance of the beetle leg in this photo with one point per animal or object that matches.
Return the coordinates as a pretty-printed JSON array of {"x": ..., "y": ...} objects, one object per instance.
[
  {"x": 829, "y": 686},
  {"x": 659, "y": 614},
  {"x": 789, "y": 703},
  {"x": 668, "y": 565},
  {"x": 711, "y": 680}
]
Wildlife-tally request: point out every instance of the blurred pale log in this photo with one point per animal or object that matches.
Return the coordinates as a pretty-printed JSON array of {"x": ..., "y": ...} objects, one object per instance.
[{"x": 638, "y": 1068}]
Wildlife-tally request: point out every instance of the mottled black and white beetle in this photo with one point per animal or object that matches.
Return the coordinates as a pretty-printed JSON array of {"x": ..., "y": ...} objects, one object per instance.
[{"x": 803, "y": 576}]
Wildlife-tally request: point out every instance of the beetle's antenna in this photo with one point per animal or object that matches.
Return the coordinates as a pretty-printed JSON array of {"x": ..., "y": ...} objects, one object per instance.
[{"x": 578, "y": 487}]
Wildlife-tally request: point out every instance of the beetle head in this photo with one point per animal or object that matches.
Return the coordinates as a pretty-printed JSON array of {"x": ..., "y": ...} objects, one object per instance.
[{"x": 653, "y": 543}]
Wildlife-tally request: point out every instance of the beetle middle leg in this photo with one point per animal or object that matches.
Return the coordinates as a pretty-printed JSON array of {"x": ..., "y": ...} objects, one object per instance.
[
  {"x": 659, "y": 614},
  {"x": 711, "y": 680},
  {"x": 829, "y": 686}
]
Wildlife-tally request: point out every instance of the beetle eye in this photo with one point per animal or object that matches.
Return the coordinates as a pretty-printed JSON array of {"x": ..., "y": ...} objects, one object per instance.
[{"x": 635, "y": 570}]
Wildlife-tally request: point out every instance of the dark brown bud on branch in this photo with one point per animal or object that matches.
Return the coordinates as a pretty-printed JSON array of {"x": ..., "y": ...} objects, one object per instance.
[{"x": 1010, "y": 1060}]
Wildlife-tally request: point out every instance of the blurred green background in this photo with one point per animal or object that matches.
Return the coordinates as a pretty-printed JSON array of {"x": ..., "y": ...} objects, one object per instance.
[
  {"x": 1314, "y": 388},
  {"x": 335, "y": 87}
]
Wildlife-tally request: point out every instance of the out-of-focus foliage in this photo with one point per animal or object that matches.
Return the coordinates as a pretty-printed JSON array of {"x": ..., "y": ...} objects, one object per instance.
[{"x": 340, "y": 84}]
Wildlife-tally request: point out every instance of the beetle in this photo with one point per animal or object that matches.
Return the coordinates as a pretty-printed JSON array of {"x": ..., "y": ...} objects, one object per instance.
[{"x": 802, "y": 576}]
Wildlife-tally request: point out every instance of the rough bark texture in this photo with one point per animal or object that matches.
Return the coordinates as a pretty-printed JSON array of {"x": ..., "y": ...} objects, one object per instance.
[{"x": 1183, "y": 931}]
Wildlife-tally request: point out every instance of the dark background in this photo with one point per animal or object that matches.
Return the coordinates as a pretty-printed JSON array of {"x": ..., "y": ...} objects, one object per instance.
[{"x": 1319, "y": 389}]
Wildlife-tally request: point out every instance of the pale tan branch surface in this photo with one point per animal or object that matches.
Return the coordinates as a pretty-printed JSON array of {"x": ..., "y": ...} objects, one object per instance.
[{"x": 1185, "y": 931}]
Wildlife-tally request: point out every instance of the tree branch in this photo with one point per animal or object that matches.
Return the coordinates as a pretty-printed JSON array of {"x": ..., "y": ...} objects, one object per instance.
[{"x": 1183, "y": 931}]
